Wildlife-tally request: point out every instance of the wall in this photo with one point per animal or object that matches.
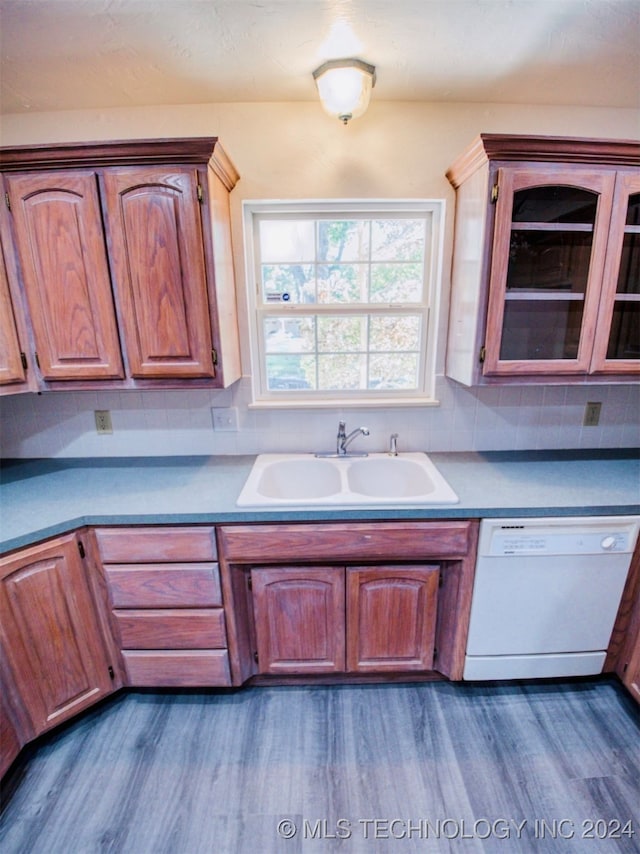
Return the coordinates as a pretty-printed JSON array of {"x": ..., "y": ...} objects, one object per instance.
[{"x": 296, "y": 151}]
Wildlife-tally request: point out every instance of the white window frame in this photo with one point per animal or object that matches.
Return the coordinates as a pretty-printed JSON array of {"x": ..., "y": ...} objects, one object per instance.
[{"x": 262, "y": 396}]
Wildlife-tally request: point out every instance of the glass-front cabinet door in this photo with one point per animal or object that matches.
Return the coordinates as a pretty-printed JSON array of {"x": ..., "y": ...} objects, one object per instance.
[
  {"x": 548, "y": 259},
  {"x": 617, "y": 345}
]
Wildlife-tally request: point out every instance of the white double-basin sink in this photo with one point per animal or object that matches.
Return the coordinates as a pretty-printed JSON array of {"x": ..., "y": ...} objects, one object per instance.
[{"x": 304, "y": 479}]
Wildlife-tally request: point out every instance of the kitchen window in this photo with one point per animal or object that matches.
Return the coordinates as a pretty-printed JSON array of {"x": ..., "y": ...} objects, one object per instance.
[{"x": 343, "y": 300}]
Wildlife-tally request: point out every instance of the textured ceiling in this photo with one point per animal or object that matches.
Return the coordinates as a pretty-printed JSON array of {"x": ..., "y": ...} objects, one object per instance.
[{"x": 74, "y": 54}]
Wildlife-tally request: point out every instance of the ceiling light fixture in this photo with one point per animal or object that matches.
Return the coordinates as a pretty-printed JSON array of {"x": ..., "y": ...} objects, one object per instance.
[{"x": 344, "y": 86}]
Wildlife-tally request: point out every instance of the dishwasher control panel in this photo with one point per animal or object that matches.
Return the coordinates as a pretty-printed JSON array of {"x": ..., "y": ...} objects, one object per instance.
[{"x": 558, "y": 536}]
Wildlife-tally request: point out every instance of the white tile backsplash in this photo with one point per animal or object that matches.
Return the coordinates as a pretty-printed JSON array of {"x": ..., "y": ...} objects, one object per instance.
[{"x": 162, "y": 423}]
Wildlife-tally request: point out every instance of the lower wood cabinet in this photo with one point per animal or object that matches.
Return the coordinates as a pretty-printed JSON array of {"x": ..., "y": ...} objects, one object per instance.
[
  {"x": 631, "y": 676},
  {"x": 10, "y": 740},
  {"x": 166, "y": 605},
  {"x": 299, "y": 619},
  {"x": 54, "y": 650},
  {"x": 85, "y": 613},
  {"x": 349, "y": 598},
  {"x": 344, "y": 619},
  {"x": 391, "y": 618},
  {"x": 623, "y": 657}
]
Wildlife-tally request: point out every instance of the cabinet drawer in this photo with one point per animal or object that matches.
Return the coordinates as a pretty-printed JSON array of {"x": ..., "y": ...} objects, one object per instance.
[
  {"x": 175, "y": 668},
  {"x": 195, "y": 585},
  {"x": 172, "y": 629},
  {"x": 142, "y": 545}
]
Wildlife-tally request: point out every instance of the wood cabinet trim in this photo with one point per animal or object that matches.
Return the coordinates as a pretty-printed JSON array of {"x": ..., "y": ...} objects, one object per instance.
[
  {"x": 331, "y": 542},
  {"x": 509, "y": 147},
  {"x": 142, "y": 152}
]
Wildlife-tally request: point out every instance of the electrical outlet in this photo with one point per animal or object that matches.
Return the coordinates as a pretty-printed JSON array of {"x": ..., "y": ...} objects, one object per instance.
[
  {"x": 592, "y": 414},
  {"x": 103, "y": 421},
  {"x": 225, "y": 418}
]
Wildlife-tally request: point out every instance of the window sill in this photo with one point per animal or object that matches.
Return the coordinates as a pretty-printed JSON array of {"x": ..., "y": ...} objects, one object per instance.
[{"x": 346, "y": 403}]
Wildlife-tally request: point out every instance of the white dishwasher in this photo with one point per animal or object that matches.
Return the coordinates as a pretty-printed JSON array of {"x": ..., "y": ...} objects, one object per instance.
[{"x": 546, "y": 594}]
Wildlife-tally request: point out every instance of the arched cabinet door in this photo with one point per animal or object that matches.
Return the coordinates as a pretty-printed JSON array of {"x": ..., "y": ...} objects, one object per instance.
[
  {"x": 617, "y": 344},
  {"x": 548, "y": 254},
  {"x": 391, "y": 617},
  {"x": 299, "y": 618},
  {"x": 155, "y": 231},
  {"x": 61, "y": 248},
  {"x": 50, "y": 632}
]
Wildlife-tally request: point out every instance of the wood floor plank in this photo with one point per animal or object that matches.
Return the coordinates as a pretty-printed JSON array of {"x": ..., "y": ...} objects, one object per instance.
[{"x": 417, "y": 767}]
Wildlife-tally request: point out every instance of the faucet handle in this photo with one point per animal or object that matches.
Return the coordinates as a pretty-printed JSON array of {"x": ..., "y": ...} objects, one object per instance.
[{"x": 393, "y": 445}]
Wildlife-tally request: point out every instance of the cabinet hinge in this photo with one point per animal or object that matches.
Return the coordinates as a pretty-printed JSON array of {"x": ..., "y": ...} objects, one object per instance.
[
  {"x": 214, "y": 356},
  {"x": 23, "y": 359},
  {"x": 111, "y": 672},
  {"x": 495, "y": 190},
  {"x": 200, "y": 193},
  {"x": 435, "y": 652},
  {"x": 37, "y": 360},
  {"x": 249, "y": 584},
  {"x": 482, "y": 355},
  {"x": 255, "y": 657},
  {"x": 81, "y": 548},
  {"x": 7, "y": 201}
]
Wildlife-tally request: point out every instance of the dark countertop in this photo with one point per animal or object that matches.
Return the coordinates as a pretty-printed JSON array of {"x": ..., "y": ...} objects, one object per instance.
[{"x": 41, "y": 498}]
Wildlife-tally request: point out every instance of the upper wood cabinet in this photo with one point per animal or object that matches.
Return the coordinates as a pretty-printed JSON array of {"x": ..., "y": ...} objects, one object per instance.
[
  {"x": 16, "y": 369},
  {"x": 546, "y": 264},
  {"x": 124, "y": 255},
  {"x": 62, "y": 253},
  {"x": 617, "y": 340},
  {"x": 12, "y": 369},
  {"x": 157, "y": 250}
]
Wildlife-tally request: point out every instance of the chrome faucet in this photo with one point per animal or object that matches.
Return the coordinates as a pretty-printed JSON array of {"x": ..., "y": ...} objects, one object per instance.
[
  {"x": 343, "y": 440},
  {"x": 393, "y": 445}
]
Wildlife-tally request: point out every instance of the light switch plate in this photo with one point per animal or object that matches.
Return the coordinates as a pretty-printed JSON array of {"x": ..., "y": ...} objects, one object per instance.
[{"x": 225, "y": 418}]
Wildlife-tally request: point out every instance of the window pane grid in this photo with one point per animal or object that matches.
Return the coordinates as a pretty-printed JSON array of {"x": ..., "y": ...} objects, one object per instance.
[
  {"x": 345, "y": 262},
  {"x": 342, "y": 302},
  {"x": 343, "y": 351}
]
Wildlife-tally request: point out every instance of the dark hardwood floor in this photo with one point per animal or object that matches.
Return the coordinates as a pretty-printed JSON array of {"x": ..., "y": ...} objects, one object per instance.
[{"x": 405, "y": 767}]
